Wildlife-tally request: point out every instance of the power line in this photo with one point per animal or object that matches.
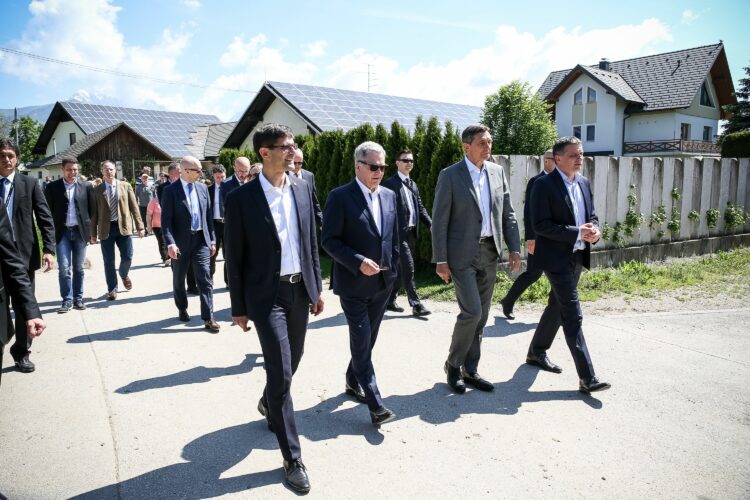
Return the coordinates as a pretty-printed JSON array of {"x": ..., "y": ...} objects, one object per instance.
[{"x": 135, "y": 76}]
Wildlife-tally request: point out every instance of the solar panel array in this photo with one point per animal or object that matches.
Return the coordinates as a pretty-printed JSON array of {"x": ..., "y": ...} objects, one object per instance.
[
  {"x": 167, "y": 130},
  {"x": 332, "y": 109}
]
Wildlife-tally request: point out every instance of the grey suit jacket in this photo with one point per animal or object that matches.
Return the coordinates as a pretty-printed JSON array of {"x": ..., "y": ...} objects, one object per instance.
[{"x": 457, "y": 218}]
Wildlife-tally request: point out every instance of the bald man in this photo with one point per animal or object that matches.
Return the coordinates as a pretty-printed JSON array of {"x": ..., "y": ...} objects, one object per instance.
[{"x": 240, "y": 177}]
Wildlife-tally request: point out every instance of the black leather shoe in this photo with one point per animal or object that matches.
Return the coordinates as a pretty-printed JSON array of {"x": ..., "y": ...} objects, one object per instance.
[
  {"x": 474, "y": 380},
  {"x": 263, "y": 410},
  {"x": 454, "y": 379},
  {"x": 593, "y": 385},
  {"x": 192, "y": 291},
  {"x": 507, "y": 309},
  {"x": 393, "y": 306},
  {"x": 358, "y": 393},
  {"x": 382, "y": 416},
  {"x": 211, "y": 325},
  {"x": 296, "y": 476},
  {"x": 79, "y": 305},
  {"x": 184, "y": 316},
  {"x": 420, "y": 310},
  {"x": 542, "y": 361},
  {"x": 25, "y": 365},
  {"x": 65, "y": 307}
]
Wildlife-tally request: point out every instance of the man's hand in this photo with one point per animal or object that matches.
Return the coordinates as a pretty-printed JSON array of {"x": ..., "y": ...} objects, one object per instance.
[
  {"x": 514, "y": 261},
  {"x": 35, "y": 327},
  {"x": 590, "y": 233},
  {"x": 443, "y": 271},
  {"x": 48, "y": 262},
  {"x": 93, "y": 240},
  {"x": 213, "y": 249},
  {"x": 141, "y": 232},
  {"x": 241, "y": 321},
  {"x": 369, "y": 267},
  {"x": 530, "y": 245},
  {"x": 317, "y": 308},
  {"x": 173, "y": 252}
]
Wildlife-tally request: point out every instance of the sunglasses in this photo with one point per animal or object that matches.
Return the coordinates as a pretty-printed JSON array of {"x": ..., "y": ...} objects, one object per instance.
[
  {"x": 406, "y": 161},
  {"x": 374, "y": 167},
  {"x": 298, "y": 163}
]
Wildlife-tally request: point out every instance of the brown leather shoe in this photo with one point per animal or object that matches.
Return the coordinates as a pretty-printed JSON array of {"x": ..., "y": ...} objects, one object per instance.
[
  {"x": 112, "y": 295},
  {"x": 128, "y": 284},
  {"x": 212, "y": 325}
]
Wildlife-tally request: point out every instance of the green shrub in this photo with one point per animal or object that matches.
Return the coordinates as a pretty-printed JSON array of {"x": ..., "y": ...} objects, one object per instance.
[{"x": 736, "y": 145}]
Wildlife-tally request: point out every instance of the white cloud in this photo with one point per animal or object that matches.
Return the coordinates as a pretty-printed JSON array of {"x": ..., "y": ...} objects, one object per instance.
[
  {"x": 192, "y": 4},
  {"x": 315, "y": 49},
  {"x": 689, "y": 17}
]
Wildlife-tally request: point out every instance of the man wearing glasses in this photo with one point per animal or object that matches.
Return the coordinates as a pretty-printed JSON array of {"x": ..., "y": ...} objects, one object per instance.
[
  {"x": 275, "y": 282},
  {"x": 361, "y": 236},
  {"x": 188, "y": 230},
  {"x": 532, "y": 273},
  {"x": 410, "y": 213},
  {"x": 308, "y": 177},
  {"x": 471, "y": 218},
  {"x": 240, "y": 177}
]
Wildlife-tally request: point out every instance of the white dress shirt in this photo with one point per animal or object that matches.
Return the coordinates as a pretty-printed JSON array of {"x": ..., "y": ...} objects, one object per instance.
[
  {"x": 579, "y": 208},
  {"x": 373, "y": 203},
  {"x": 217, "y": 201},
  {"x": 193, "y": 202},
  {"x": 111, "y": 190},
  {"x": 70, "y": 193},
  {"x": 409, "y": 195},
  {"x": 481, "y": 183},
  {"x": 284, "y": 213},
  {"x": 9, "y": 194}
]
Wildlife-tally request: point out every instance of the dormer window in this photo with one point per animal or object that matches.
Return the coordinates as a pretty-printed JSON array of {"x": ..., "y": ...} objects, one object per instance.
[
  {"x": 591, "y": 95},
  {"x": 578, "y": 97},
  {"x": 706, "y": 96}
]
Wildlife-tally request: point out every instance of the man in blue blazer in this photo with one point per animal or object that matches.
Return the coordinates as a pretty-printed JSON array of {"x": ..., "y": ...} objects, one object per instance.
[
  {"x": 566, "y": 226},
  {"x": 274, "y": 279},
  {"x": 188, "y": 231},
  {"x": 361, "y": 235}
]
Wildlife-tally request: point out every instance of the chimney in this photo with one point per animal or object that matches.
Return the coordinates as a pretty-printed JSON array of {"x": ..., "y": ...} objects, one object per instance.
[{"x": 605, "y": 65}]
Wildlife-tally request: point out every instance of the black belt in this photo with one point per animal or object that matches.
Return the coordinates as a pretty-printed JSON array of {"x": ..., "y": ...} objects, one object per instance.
[
  {"x": 219, "y": 220},
  {"x": 196, "y": 231},
  {"x": 411, "y": 228},
  {"x": 486, "y": 239},
  {"x": 291, "y": 278},
  {"x": 72, "y": 227}
]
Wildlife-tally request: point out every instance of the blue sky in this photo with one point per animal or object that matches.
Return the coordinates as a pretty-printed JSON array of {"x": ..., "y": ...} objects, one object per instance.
[{"x": 447, "y": 51}]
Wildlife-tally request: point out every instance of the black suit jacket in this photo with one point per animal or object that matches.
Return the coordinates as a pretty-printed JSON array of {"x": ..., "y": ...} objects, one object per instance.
[
  {"x": 349, "y": 236},
  {"x": 555, "y": 224},
  {"x": 395, "y": 184},
  {"x": 227, "y": 187},
  {"x": 160, "y": 189},
  {"x": 211, "y": 198},
  {"x": 176, "y": 217},
  {"x": 253, "y": 249},
  {"x": 29, "y": 202},
  {"x": 309, "y": 177},
  {"x": 85, "y": 203},
  {"x": 14, "y": 281},
  {"x": 528, "y": 226}
]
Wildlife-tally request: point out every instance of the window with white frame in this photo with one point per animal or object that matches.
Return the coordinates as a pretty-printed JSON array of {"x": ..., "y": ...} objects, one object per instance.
[
  {"x": 706, "y": 96},
  {"x": 577, "y": 132},
  {"x": 590, "y": 133},
  {"x": 590, "y": 95},
  {"x": 685, "y": 131},
  {"x": 578, "y": 97},
  {"x": 708, "y": 134}
]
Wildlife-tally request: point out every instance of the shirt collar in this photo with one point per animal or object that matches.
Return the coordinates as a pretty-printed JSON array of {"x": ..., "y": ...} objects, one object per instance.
[
  {"x": 184, "y": 183},
  {"x": 69, "y": 185},
  {"x": 472, "y": 167},
  {"x": 366, "y": 190},
  {"x": 403, "y": 177},
  {"x": 267, "y": 186},
  {"x": 565, "y": 179},
  {"x": 12, "y": 176}
]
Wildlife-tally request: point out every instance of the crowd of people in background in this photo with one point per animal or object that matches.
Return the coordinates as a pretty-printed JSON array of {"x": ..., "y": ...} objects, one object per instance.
[{"x": 268, "y": 223}]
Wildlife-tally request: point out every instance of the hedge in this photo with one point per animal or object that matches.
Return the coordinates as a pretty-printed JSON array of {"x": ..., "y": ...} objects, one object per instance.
[{"x": 736, "y": 144}]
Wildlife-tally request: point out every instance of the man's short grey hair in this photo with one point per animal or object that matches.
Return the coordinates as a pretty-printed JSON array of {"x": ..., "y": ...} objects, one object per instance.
[
  {"x": 564, "y": 142},
  {"x": 107, "y": 163},
  {"x": 366, "y": 147}
]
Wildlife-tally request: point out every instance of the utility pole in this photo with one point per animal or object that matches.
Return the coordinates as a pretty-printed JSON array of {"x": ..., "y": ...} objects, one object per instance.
[{"x": 372, "y": 82}]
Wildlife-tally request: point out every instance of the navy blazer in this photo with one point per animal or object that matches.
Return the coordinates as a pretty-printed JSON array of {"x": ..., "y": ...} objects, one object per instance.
[
  {"x": 227, "y": 187},
  {"x": 212, "y": 196},
  {"x": 395, "y": 184},
  {"x": 29, "y": 203},
  {"x": 253, "y": 249},
  {"x": 85, "y": 202},
  {"x": 309, "y": 177},
  {"x": 349, "y": 236},
  {"x": 555, "y": 224},
  {"x": 176, "y": 217},
  {"x": 528, "y": 226}
]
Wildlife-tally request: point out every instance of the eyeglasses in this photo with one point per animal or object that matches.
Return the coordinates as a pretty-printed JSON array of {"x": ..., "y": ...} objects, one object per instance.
[
  {"x": 298, "y": 163},
  {"x": 284, "y": 147},
  {"x": 406, "y": 161},
  {"x": 374, "y": 167}
]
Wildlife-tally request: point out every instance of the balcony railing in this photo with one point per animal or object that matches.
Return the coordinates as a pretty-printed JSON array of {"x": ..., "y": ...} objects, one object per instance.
[{"x": 672, "y": 146}]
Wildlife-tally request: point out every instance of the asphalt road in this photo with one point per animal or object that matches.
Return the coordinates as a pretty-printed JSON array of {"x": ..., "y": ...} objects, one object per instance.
[{"x": 127, "y": 402}]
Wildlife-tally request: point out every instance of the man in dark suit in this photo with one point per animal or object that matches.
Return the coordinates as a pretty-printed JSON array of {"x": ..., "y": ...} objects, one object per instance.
[
  {"x": 532, "y": 273},
  {"x": 309, "y": 177},
  {"x": 410, "y": 212},
  {"x": 471, "y": 218},
  {"x": 566, "y": 225},
  {"x": 360, "y": 234},
  {"x": 216, "y": 207},
  {"x": 240, "y": 177},
  {"x": 72, "y": 204},
  {"x": 275, "y": 280},
  {"x": 173, "y": 172},
  {"x": 24, "y": 203},
  {"x": 188, "y": 230},
  {"x": 15, "y": 283}
]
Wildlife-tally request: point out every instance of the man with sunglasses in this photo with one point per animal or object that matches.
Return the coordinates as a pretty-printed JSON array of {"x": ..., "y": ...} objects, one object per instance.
[
  {"x": 308, "y": 177},
  {"x": 361, "y": 236},
  {"x": 275, "y": 281},
  {"x": 471, "y": 218},
  {"x": 410, "y": 212},
  {"x": 240, "y": 177},
  {"x": 188, "y": 230}
]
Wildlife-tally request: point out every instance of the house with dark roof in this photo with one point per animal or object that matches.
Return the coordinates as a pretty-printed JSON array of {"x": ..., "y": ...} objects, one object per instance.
[
  {"x": 309, "y": 109},
  {"x": 664, "y": 104}
]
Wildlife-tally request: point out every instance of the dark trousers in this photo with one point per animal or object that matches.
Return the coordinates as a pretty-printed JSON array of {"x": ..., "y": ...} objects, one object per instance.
[
  {"x": 219, "y": 230},
  {"x": 364, "y": 316},
  {"x": 405, "y": 274},
  {"x": 282, "y": 339},
  {"x": 142, "y": 210},
  {"x": 124, "y": 244},
  {"x": 524, "y": 281},
  {"x": 22, "y": 346},
  {"x": 190, "y": 275},
  {"x": 197, "y": 256},
  {"x": 563, "y": 308},
  {"x": 474, "y": 286},
  {"x": 161, "y": 243}
]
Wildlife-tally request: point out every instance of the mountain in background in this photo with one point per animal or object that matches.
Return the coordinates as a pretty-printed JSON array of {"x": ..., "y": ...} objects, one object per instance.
[{"x": 39, "y": 113}]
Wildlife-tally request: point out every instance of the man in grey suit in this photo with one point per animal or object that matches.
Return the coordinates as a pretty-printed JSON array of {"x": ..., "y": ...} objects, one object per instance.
[{"x": 471, "y": 217}]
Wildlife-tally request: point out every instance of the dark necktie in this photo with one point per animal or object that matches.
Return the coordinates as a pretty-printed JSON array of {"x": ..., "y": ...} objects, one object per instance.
[{"x": 4, "y": 189}]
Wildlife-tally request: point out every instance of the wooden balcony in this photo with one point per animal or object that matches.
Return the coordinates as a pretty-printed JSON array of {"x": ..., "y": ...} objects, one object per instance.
[{"x": 675, "y": 146}]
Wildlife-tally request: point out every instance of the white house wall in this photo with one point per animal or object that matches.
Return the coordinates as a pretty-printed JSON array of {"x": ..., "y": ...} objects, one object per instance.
[
  {"x": 655, "y": 126},
  {"x": 696, "y": 125},
  {"x": 278, "y": 112},
  {"x": 61, "y": 137}
]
